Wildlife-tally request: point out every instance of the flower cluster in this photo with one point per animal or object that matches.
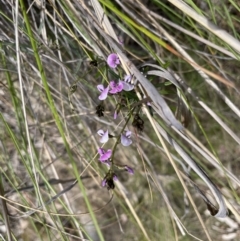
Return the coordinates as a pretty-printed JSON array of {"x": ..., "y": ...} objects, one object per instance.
[
  {"x": 125, "y": 137},
  {"x": 106, "y": 156},
  {"x": 115, "y": 87}
]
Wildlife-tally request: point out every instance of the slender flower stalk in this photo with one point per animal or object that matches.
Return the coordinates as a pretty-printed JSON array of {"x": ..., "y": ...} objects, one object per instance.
[
  {"x": 118, "y": 139},
  {"x": 107, "y": 156}
]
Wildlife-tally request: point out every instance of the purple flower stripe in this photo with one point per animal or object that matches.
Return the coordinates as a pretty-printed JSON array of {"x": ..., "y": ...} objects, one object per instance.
[
  {"x": 113, "y": 60},
  {"x": 104, "y": 91},
  {"x": 115, "y": 87},
  {"x": 125, "y": 138},
  {"x": 129, "y": 169},
  {"x": 104, "y": 136}
]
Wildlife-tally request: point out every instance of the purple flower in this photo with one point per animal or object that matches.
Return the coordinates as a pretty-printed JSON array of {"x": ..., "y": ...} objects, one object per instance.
[
  {"x": 121, "y": 40},
  {"x": 115, "y": 87},
  {"x": 129, "y": 169},
  {"x": 115, "y": 115},
  {"x": 125, "y": 138},
  {"x": 104, "y": 155},
  {"x": 104, "y": 136},
  {"x": 104, "y": 91},
  {"x": 127, "y": 86},
  {"x": 113, "y": 60},
  {"x": 104, "y": 182}
]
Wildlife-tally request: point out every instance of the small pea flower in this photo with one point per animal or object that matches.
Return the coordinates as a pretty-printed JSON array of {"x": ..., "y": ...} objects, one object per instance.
[
  {"x": 104, "y": 91},
  {"x": 115, "y": 87},
  {"x": 125, "y": 138},
  {"x": 121, "y": 40},
  {"x": 115, "y": 115},
  {"x": 129, "y": 169},
  {"x": 113, "y": 60},
  {"x": 104, "y": 136},
  {"x": 104, "y": 182},
  {"x": 127, "y": 86},
  {"x": 104, "y": 155}
]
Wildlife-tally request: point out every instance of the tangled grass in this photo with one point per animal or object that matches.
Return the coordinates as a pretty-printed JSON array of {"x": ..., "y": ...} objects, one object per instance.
[{"x": 184, "y": 59}]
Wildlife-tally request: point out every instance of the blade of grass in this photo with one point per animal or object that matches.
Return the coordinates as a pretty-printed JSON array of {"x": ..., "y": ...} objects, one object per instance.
[{"x": 57, "y": 118}]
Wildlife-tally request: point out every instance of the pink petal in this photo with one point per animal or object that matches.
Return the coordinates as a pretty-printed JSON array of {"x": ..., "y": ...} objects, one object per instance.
[
  {"x": 125, "y": 140},
  {"x": 128, "y": 134},
  {"x": 129, "y": 169},
  {"x": 105, "y": 137},
  {"x": 100, "y": 88},
  {"x": 106, "y": 155},
  {"x": 104, "y": 94},
  {"x": 120, "y": 86},
  {"x": 113, "y": 91},
  {"x": 115, "y": 115},
  {"x": 115, "y": 87},
  {"x": 127, "y": 86},
  {"x": 100, "y": 132},
  {"x": 117, "y": 61},
  {"x": 112, "y": 84},
  {"x": 101, "y": 151},
  {"x": 104, "y": 182},
  {"x": 128, "y": 78}
]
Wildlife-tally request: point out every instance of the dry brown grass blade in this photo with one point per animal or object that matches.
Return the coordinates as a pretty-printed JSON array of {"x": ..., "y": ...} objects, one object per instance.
[
  {"x": 126, "y": 199},
  {"x": 179, "y": 54},
  {"x": 222, "y": 34},
  {"x": 154, "y": 125},
  {"x": 191, "y": 34},
  {"x": 151, "y": 91},
  {"x": 184, "y": 55},
  {"x": 4, "y": 211},
  {"x": 103, "y": 19},
  {"x": 105, "y": 23}
]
